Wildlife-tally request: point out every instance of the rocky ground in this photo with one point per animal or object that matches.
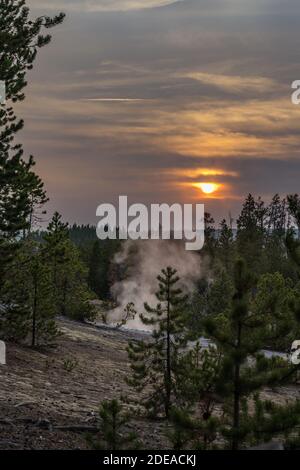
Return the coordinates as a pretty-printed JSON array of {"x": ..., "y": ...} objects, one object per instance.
[{"x": 49, "y": 399}]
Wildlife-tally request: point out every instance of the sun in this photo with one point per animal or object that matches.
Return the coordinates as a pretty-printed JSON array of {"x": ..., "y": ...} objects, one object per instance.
[{"x": 207, "y": 188}]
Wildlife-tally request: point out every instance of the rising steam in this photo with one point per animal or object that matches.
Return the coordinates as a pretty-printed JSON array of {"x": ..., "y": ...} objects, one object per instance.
[{"x": 144, "y": 260}]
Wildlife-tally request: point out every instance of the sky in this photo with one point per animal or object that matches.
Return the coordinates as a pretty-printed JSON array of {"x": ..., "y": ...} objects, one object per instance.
[{"x": 153, "y": 98}]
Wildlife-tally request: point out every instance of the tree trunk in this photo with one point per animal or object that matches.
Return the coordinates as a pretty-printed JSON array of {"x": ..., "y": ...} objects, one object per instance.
[
  {"x": 169, "y": 377},
  {"x": 64, "y": 298},
  {"x": 34, "y": 314},
  {"x": 236, "y": 398}
]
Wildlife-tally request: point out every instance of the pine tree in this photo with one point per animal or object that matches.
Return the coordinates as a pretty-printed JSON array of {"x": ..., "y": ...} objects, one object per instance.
[
  {"x": 226, "y": 245},
  {"x": 155, "y": 363},
  {"x": 57, "y": 233},
  {"x": 181, "y": 430},
  {"x": 277, "y": 216},
  {"x": 275, "y": 257},
  {"x": 72, "y": 293},
  {"x": 273, "y": 297},
  {"x": 20, "y": 188},
  {"x": 294, "y": 209},
  {"x": 30, "y": 312},
  {"x": 68, "y": 273},
  {"x": 190, "y": 432},
  {"x": 129, "y": 313},
  {"x": 99, "y": 267},
  {"x": 193, "y": 422},
  {"x": 251, "y": 231},
  {"x": 112, "y": 425},
  {"x": 210, "y": 236},
  {"x": 271, "y": 419},
  {"x": 20, "y": 37},
  {"x": 37, "y": 199},
  {"x": 219, "y": 294},
  {"x": 293, "y": 247},
  {"x": 55, "y": 239},
  {"x": 240, "y": 336}
]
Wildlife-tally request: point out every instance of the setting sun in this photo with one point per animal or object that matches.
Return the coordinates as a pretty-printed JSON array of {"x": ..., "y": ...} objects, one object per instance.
[{"x": 207, "y": 188}]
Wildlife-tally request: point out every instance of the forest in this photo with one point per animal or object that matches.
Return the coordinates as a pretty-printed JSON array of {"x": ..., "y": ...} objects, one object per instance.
[{"x": 246, "y": 301}]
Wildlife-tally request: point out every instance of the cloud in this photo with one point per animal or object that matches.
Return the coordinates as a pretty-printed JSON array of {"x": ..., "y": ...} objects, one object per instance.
[
  {"x": 236, "y": 83},
  {"x": 115, "y": 100},
  {"x": 149, "y": 102},
  {"x": 99, "y": 5}
]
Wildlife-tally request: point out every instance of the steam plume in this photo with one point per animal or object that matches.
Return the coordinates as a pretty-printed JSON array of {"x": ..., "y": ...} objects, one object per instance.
[{"x": 144, "y": 259}]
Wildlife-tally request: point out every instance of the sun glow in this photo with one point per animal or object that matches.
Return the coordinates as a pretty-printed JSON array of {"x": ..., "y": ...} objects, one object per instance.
[{"x": 207, "y": 188}]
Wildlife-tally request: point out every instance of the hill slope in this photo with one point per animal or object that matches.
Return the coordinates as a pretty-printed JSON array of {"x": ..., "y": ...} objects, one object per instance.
[
  {"x": 38, "y": 395},
  {"x": 45, "y": 406}
]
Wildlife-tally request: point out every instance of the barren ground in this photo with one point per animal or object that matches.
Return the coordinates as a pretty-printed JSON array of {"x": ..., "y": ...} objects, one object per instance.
[{"x": 38, "y": 394}]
